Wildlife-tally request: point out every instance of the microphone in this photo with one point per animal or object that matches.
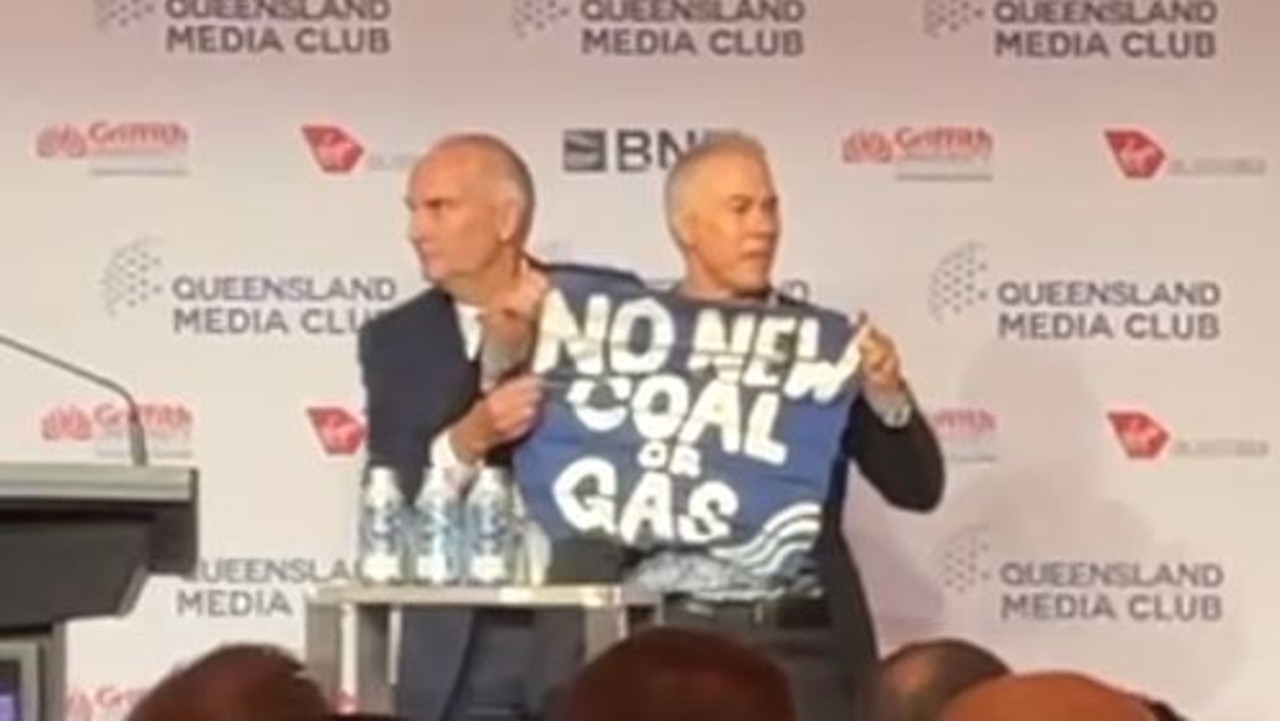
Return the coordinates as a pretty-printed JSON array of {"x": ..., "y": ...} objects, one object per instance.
[{"x": 137, "y": 435}]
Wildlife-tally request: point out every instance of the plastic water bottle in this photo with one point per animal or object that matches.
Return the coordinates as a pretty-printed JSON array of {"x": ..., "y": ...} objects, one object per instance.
[
  {"x": 382, "y": 538},
  {"x": 488, "y": 507},
  {"x": 438, "y": 552},
  {"x": 530, "y": 547}
]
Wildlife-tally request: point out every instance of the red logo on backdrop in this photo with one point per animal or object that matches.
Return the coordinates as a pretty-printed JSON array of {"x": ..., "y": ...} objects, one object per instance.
[
  {"x": 103, "y": 138},
  {"x": 167, "y": 425},
  {"x": 1141, "y": 436},
  {"x": 964, "y": 424},
  {"x": 867, "y": 146},
  {"x": 334, "y": 149},
  {"x": 113, "y": 703},
  {"x": 67, "y": 423},
  {"x": 936, "y": 143},
  {"x": 1139, "y": 156},
  {"x": 968, "y": 435},
  {"x": 339, "y": 431},
  {"x": 104, "y": 703}
]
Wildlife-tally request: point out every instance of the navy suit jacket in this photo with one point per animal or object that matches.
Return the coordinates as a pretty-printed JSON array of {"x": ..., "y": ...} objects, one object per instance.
[
  {"x": 418, "y": 381},
  {"x": 905, "y": 465}
]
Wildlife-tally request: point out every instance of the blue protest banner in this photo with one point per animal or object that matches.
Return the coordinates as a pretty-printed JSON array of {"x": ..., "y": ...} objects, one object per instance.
[{"x": 673, "y": 423}]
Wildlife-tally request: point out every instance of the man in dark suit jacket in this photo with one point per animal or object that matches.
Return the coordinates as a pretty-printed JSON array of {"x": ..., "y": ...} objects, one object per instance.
[
  {"x": 723, "y": 211},
  {"x": 435, "y": 399}
]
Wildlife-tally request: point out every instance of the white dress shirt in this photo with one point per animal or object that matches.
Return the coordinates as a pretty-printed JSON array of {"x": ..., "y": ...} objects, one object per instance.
[
  {"x": 442, "y": 453},
  {"x": 894, "y": 409}
]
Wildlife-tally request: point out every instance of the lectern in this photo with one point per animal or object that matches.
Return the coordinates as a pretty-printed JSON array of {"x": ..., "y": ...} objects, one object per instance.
[{"x": 77, "y": 541}]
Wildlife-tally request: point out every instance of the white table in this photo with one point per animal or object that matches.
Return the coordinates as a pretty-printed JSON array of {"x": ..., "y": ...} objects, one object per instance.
[{"x": 607, "y": 611}]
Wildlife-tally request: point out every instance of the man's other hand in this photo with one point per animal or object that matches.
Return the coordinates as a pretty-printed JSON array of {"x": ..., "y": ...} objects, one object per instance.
[
  {"x": 881, "y": 367},
  {"x": 501, "y": 416},
  {"x": 510, "y": 319}
]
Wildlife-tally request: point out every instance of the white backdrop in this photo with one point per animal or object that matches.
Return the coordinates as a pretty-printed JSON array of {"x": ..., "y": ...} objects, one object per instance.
[{"x": 970, "y": 172}]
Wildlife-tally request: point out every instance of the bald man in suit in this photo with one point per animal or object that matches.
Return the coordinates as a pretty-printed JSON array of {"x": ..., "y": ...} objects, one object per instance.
[{"x": 445, "y": 389}]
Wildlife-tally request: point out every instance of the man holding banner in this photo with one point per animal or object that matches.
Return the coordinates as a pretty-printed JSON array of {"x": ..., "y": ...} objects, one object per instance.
[
  {"x": 708, "y": 430},
  {"x": 444, "y": 389}
]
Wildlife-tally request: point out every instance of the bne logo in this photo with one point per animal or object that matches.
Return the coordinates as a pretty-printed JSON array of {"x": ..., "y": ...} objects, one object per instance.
[{"x": 627, "y": 150}]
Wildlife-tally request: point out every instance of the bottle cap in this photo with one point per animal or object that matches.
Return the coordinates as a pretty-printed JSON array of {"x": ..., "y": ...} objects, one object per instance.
[{"x": 381, "y": 476}]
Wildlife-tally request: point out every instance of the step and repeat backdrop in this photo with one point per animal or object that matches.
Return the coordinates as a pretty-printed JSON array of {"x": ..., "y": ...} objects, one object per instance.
[{"x": 1064, "y": 211}]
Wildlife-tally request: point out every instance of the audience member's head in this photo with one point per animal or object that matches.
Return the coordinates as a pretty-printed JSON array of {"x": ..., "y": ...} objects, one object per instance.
[
  {"x": 917, "y": 681},
  {"x": 1161, "y": 711},
  {"x": 1048, "y": 696},
  {"x": 672, "y": 674},
  {"x": 241, "y": 682},
  {"x": 359, "y": 716}
]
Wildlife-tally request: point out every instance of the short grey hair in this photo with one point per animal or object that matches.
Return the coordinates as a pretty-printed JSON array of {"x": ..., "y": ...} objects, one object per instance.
[
  {"x": 686, "y": 166},
  {"x": 513, "y": 171}
]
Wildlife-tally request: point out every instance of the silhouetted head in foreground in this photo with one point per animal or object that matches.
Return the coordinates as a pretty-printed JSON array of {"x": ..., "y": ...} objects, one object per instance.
[
  {"x": 672, "y": 674},
  {"x": 917, "y": 681},
  {"x": 240, "y": 682},
  {"x": 1047, "y": 696}
]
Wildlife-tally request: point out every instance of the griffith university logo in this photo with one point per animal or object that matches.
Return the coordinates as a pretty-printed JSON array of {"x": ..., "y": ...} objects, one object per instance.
[
  {"x": 928, "y": 152},
  {"x": 168, "y": 426},
  {"x": 968, "y": 434},
  {"x": 118, "y": 147}
]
